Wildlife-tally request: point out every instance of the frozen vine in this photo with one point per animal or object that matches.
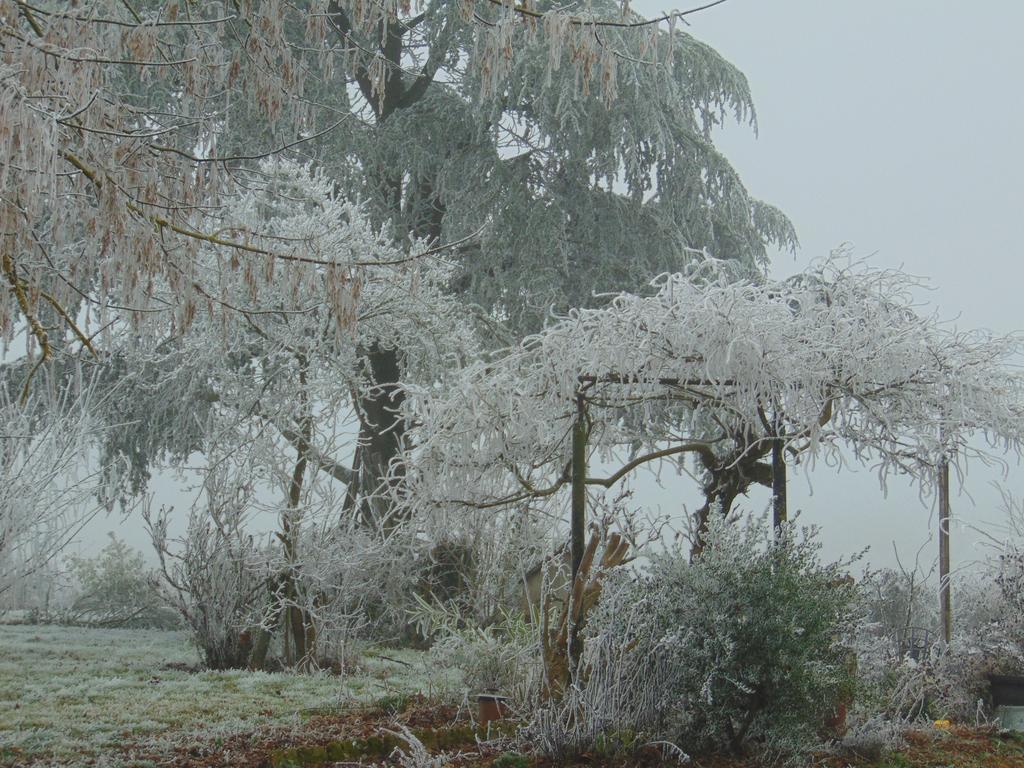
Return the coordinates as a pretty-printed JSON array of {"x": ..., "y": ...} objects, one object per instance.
[{"x": 718, "y": 367}]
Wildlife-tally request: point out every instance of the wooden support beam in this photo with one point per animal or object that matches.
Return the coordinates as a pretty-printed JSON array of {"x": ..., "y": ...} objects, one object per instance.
[
  {"x": 577, "y": 526},
  {"x": 945, "y": 602},
  {"x": 779, "y": 511},
  {"x": 577, "y": 522}
]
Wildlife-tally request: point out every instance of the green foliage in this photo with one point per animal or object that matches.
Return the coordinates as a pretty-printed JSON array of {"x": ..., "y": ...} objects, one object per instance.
[
  {"x": 510, "y": 760},
  {"x": 117, "y": 590},
  {"x": 742, "y": 645},
  {"x": 394, "y": 703},
  {"x": 618, "y": 742}
]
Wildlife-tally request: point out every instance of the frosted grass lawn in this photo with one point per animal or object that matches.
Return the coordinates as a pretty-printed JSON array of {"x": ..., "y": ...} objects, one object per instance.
[{"x": 70, "y": 694}]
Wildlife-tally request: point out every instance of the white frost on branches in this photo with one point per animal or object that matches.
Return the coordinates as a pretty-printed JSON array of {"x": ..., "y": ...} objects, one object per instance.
[
  {"x": 47, "y": 492},
  {"x": 837, "y": 356}
]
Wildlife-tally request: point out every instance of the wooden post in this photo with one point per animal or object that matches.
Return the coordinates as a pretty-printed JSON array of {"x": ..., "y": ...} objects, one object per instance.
[
  {"x": 577, "y": 525},
  {"x": 577, "y": 522},
  {"x": 779, "y": 513},
  {"x": 945, "y": 603}
]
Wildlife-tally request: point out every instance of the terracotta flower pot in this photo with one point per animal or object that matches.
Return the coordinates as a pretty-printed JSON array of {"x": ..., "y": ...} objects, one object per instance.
[{"x": 491, "y": 707}]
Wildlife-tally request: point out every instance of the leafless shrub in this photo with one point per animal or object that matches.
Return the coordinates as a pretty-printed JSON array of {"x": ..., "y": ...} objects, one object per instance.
[
  {"x": 416, "y": 754},
  {"x": 48, "y": 491},
  {"x": 217, "y": 575}
]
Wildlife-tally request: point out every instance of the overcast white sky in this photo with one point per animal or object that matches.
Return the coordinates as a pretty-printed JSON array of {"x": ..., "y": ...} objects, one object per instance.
[{"x": 894, "y": 125}]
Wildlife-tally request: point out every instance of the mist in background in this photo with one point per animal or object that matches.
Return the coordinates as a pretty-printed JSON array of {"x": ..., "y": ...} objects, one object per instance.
[
  {"x": 895, "y": 127},
  {"x": 892, "y": 126}
]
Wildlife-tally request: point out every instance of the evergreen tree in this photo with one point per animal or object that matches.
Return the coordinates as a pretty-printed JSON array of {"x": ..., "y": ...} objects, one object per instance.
[{"x": 567, "y": 158}]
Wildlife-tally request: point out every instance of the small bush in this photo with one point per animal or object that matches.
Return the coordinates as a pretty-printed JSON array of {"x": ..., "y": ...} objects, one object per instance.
[
  {"x": 740, "y": 647},
  {"x": 502, "y": 657},
  {"x": 1010, "y": 580},
  {"x": 217, "y": 578},
  {"x": 115, "y": 589},
  {"x": 898, "y": 600},
  {"x": 948, "y": 682}
]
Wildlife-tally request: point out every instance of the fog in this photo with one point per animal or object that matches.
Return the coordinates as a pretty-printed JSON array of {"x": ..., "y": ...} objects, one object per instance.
[{"x": 893, "y": 127}]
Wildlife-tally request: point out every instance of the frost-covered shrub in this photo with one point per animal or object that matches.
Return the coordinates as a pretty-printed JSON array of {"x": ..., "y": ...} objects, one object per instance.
[
  {"x": 950, "y": 683},
  {"x": 945, "y": 681},
  {"x": 115, "y": 589},
  {"x": 740, "y": 647},
  {"x": 988, "y": 638},
  {"x": 1010, "y": 580},
  {"x": 477, "y": 562},
  {"x": 351, "y": 583},
  {"x": 503, "y": 658},
  {"x": 217, "y": 575},
  {"x": 898, "y": 600},
  {"x": 614, "y": 705}
]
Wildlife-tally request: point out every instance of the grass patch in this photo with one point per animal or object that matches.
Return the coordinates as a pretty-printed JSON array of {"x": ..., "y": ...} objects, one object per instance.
[{"x": 72, "y": 694}]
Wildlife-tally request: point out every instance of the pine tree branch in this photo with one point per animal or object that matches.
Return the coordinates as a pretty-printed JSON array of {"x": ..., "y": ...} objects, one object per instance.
[{"x": 259, "y": 156}]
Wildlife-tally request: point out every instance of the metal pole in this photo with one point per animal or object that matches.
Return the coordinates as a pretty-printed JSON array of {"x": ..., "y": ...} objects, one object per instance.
[{"x": 945, "y": 603}]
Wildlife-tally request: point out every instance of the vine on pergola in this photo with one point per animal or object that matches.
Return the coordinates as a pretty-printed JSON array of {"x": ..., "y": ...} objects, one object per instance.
[{"x": 834, "y": 359}]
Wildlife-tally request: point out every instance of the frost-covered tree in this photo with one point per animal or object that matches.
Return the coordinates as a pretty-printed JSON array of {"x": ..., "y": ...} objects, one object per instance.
[
  {"x": 831, "y": 363},
  {"x": 272, "y": 373},
  {"x": 561, "y": 149},
  {"x": 286, "y": 350},
  {"x": 574, "y": 156},
  {"x": 47, "y": 490}
]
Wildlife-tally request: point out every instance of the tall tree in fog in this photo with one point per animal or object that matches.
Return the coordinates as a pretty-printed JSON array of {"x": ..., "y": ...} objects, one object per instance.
[{"x": 554, "y": 152}]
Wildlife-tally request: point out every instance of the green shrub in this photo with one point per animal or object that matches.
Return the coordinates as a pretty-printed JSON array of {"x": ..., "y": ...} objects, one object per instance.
[
  {"x": 742, "y": 646},
  {"x": 510, "y": 760}
]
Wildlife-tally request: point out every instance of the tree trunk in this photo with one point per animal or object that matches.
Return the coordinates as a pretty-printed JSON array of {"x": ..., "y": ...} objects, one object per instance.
[
  {"x": 717, "y": 498},
  {"x": 378, "y": 472},
  {"x": 381, "y": 439},
  {"x": 261, "y": 646},
  {"x": 730, "y": 478}
]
